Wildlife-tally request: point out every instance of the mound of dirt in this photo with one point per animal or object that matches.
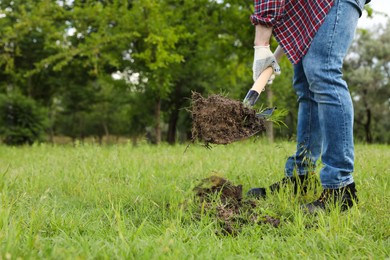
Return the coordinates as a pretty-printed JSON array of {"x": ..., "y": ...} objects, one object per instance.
[
  {"x": 219, "y": 196},
  {"x": 215, "y": 185},
  {"x": 219, "y": 120}
]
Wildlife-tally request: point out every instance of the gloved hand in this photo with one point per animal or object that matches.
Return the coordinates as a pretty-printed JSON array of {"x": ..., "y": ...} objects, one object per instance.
[{"x": 263, "y": 59}]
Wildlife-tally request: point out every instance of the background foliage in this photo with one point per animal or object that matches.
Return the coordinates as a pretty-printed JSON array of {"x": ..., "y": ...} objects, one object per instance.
[
  {"x": 127, "y": 68},
  {"x": 21, "y": 119}
]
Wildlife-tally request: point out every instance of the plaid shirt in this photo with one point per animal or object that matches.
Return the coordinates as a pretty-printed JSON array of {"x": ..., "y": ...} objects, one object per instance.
[{"x": 294, "y": 22}]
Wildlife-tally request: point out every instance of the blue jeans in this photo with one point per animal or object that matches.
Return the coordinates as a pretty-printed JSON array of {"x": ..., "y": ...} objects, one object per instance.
[{"x": 325, "y": 113}]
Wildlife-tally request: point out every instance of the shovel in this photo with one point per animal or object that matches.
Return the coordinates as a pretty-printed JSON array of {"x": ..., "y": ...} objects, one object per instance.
[
  {"x": 219, "y": 120},
  {"x": 259, "y": 85}
]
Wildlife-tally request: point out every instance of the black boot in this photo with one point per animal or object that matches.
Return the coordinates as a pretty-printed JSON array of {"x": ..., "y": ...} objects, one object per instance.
[
  {"x": 345, "y": 197},
  {"x": 299, "y": 183}
]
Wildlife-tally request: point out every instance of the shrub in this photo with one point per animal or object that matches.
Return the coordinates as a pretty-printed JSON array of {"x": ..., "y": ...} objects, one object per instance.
[{"x": 22, "y": 120}]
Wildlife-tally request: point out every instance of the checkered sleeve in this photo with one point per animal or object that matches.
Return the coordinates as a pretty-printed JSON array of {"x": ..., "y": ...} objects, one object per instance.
[
  {"x": 268, "y": 12},
  {"x": 294, "y": 22}
]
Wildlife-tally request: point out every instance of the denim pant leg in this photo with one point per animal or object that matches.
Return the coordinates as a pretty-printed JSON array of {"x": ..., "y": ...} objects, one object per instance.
[
  {"x": 309, "y": 139},
  {"x": 323, "y": 69}
]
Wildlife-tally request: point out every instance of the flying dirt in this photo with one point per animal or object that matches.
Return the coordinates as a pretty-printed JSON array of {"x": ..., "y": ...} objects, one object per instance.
[{"x": 220, "y": 120}]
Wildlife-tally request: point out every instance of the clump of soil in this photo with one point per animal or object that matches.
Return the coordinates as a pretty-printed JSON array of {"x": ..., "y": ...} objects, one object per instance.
[
  {"x": 222, "y": 198},
  {"x": 215, "y": 185},
  {"x": 219, "y": 120}
]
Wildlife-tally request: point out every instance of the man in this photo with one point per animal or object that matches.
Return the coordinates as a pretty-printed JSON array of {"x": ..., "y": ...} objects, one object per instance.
[{"x": 315, "y": 36}]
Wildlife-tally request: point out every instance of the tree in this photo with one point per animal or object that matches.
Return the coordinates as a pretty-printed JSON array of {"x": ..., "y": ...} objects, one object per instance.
[
  {"x": 155, "y": 50},
  {"x": 367, "y": 71},
  {"x": 22, "y": 120},
  {"x": 65, "y": 55},
  {"x": 89, "y": 47}
]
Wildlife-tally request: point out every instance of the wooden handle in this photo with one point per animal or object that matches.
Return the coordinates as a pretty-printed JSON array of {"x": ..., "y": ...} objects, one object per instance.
[{"x": 262, "y": 80}]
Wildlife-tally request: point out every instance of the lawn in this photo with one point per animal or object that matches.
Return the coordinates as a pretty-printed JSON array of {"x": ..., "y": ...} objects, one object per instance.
[{"x": 124, "y": 202}]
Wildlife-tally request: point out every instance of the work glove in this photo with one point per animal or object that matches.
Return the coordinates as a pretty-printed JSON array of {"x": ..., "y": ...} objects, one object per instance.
[{"x": 263, "y": 59}]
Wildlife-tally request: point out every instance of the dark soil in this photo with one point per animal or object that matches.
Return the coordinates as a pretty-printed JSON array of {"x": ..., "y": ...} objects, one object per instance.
[
  {"x": 215, "y": 185},
  {"x": 219, "y": 120},
  {"x": 222, "y": 198}
]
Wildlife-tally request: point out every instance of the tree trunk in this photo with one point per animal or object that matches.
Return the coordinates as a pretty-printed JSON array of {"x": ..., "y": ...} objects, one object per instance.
[
  {"x": 106, "y": 131},
  {"x": 171, "y": 137},
  {"x": 158, "y": 119},
  {"x": 177, "y": 102},
  {"x": 269, "y": 125},
  {"x": 51, "y": 128},
  {"x": 134, "y": 140},
  {"x": 367, "y": 126}
]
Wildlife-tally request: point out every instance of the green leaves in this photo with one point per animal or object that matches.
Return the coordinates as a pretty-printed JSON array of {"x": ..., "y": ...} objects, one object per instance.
[
  {"x": 64, "y": 54},
  {"x": 22, "y": 121},
  {"x": 367, "y": 71}
]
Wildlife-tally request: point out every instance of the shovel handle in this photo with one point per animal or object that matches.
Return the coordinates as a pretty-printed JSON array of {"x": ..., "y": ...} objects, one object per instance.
[{"x": 262, "y": 80}]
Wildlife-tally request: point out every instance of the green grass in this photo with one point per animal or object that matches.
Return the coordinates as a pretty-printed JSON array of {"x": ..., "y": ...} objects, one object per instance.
[{"x": 67, "y": 202}]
